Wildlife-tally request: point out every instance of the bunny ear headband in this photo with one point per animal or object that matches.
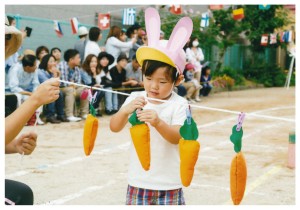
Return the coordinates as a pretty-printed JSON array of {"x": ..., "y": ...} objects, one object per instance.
[{"x": 167, "y": 51}]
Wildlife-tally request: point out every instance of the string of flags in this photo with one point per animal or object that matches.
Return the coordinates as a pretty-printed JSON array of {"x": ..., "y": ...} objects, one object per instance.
[
  {"x": 284, "y": 36},
  {"x": 57, "y": 28},
  {"x": 175, "y": 9}
]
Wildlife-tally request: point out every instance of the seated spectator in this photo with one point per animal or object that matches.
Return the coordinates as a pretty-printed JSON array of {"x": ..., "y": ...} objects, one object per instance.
[
  {"x": 206, "y": 81},
  {"x": 104, "y": 78},
  {"x": 192, "y": 87},
  {"x": 47, "y": 69},
  {"x": 92, "y": 46},
  {"x": 23, "y": 80},
  {"x": 70, "y": 72},
  {"x": 118, "y": 76},
  {"x": 40, "y": 52},
  {"x": 56, "y": 52},
  {"x": 91, "y": 68},
  {"x": 134, "y": 72}
]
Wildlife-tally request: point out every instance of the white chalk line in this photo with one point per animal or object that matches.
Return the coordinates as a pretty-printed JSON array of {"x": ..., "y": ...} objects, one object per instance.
[
  {"x": 69, "y": 161},
  {"x": 80, "y": 193}
]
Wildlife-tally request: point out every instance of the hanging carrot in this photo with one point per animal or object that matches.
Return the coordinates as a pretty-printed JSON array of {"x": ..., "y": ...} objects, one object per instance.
[
  {"x": 90, "y": 131},
  {"x": 238, "y": 170},
  {"x": 140, "y": 135},
  {"x": 189, "y": 149}
]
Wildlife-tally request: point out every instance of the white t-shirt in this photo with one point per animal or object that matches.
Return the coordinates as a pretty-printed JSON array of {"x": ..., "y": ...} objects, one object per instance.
[
  {"x": 164, "y": 172},
  {"x": 91, "y": 47}
]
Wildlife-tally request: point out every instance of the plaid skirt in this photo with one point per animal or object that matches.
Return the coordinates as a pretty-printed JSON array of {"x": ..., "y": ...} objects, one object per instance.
[{"x": 139, "y": 196}]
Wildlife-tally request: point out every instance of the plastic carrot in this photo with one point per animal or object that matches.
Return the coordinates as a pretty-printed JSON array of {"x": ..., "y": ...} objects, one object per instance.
[
  {"x": 140, "y": 135},
  {"x": 238, "y": 170},
  {"x": 189, "y": 149},
  {"x": 90, "y": 131}
]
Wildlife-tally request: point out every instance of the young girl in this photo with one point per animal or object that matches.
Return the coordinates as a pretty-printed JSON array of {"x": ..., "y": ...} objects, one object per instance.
[
  {"x": 91, "y": 68},
  {"x": 162, "y": 65}
]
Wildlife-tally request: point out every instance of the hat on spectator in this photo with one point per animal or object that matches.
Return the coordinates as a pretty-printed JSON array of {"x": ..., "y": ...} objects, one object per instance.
[
  {"x": 13, "y": 38},
  {"x": 110, "y": 58},
  {"x": 82, "y": 31},
  {"x": 189, "y": 66},
  {"x": 168, "y": 51}
]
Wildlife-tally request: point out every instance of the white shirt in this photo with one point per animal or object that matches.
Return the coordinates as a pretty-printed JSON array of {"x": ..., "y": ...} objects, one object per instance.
[
  {"x": 164, "y": 172},
  {"x": 192, "y": 58},
  {"x": 91, "y": 48},
  {"x": 115, "y": 46}
]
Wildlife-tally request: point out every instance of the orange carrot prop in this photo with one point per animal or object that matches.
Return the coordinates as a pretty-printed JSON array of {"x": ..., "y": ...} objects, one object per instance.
[
  {"x": 189, "y": 149},
  {"x": 238, "y": 170},
  {"x": 90, "y": 130},
  {"x": 140, "y": 135}
]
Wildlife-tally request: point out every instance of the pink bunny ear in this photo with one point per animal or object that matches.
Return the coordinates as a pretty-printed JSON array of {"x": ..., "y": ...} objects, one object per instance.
[
  {"x": 152, "y": 21},
  {"x": 180, "y": 34}
]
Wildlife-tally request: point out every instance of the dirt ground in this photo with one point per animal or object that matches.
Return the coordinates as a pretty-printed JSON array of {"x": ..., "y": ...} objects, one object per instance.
[{"x": 59, "y": 173}]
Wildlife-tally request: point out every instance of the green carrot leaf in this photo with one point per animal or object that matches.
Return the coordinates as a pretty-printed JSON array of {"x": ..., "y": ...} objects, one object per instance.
[{"x": 189, "y": 132}]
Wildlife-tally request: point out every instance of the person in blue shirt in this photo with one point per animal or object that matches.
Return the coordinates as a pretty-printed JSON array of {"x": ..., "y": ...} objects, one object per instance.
[
  {"x": 205, "y": 81},
  {"x": 47, "y": 69}
]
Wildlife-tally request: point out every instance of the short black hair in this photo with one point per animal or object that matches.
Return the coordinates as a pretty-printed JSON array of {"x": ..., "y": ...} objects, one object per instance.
[
  {"x": 204, "y": 70},
  {"x": 150, "y": 66},
  {"x": 129, "y": 31},
  {"x": 94, "y": 34},
  {"x": 40, "y": 49},
  {"x": 28, "y": 60},
  {"x": 70, "y": 53},
  {"x": 55, "y": 48},
  {"x": 44, "y": 62},
  {"x": 122, "y": 56}
]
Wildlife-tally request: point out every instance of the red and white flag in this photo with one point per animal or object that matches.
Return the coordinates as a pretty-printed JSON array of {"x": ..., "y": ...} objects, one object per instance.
[
  {"x": 264, "y": 40},
  {"x": 57, "y": 28},
  {"x": 176, "y": 9},
  {"x": 104, "y": 21},
  {"x": 74, "y": 25},
  {"x": 215, "y": 7}
]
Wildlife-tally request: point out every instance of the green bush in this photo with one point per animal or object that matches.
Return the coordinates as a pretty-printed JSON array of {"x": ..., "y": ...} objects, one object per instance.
[
  {"x": 269, "y": 75},
  {"x": 234, "y": 74}
]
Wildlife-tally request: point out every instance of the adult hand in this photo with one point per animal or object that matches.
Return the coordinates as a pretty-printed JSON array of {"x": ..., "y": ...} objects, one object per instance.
[
  {"x": 134, "y": 82},
  {"x": 46, "y": 92},
  {"x": 26, "y": 143}
]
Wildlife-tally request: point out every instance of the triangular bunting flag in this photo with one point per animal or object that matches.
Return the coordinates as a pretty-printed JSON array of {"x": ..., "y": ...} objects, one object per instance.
[
  {"x": 204, "y": 20},
  {"x": 176, "y": 9},
  {"x": 264, "y": 40},
  {"x": 57, "y": 28},
  {"x": 104, "y": 21},
  {"x": 238, "y": 14},
  {"x": 74, "y": 25},
  {"x": 264, "y": 7},
  {"x": 273, "y": 38}
]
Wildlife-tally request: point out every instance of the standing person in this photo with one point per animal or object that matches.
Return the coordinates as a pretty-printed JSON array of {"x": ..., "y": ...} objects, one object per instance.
[
  {"x": 91, "y": 68},
  {"x": 131, "y": 33},
  {"x": 81, "y": 43},
  {"x": 140, "y": 32},
  {"x": 191, "y": 87},
  {"x": 162, "y": 70},
  {"x": 56, "y": 52},
  {"x": 70, "y": 72},
  {"x": 194, "y": 56},
  {"x": 206, "y": 81},
  {"x": 114, "y": 45},
  {"x": 47, "y": 69},
  {"x": 23, "y": 80},
  {"x": 92, "y": 46},
  {"x": 118, "y": 76}
]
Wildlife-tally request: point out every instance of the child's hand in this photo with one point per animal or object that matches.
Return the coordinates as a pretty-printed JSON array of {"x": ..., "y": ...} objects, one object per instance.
[
  {"x": 137, "y": 103},
  {"x": 46, "y": 92},
  {"x": 26, "y": 143},
  {"x": 149, "y": 116}
]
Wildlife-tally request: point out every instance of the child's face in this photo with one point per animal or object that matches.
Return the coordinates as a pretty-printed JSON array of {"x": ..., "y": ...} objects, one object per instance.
[
  {"x": 157, "y": 85},
  {"x": 208, "y": 72},
  {"x": 56, "y": 54}
]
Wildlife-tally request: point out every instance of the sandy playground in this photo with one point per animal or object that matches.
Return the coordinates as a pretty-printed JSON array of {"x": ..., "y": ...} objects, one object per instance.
[{"x": 59, "y": 173}]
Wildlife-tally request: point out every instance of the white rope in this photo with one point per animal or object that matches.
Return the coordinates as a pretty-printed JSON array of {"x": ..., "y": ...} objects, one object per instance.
[{"x": 192, "y": 105}]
